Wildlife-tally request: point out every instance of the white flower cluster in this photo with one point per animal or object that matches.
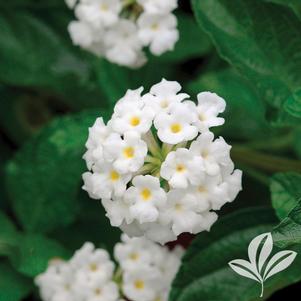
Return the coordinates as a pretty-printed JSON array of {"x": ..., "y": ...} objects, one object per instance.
[
  {"x": 87, "y": 276},
  {"x": 145, "y": 273},
  {"x": 147, "y": 268},
  {"x": 156, "y": 165},
  {"x": 119, "y": 29}
]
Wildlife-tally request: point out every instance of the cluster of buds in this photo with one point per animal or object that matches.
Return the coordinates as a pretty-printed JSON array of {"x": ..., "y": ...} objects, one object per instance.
[
  {"x": 87, "y": 276},
  {"x": 156, "y": 165},
  {"x": 147, "y": 268},
  {"x": 145, "y": 272},
  {"x": 119, "y": 29}
]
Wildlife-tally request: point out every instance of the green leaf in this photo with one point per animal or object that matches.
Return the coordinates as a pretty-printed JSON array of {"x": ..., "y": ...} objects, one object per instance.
[
  {"x": 243, "y": 103},
  {"x": 91, "y": 225},
  {"x": 293, "y": 104},
  {"x": 295, "y": 5},
  {"x": 33, "y": 54},
  {"x": 8, "y": 236},
  {"x": 22, "y": 114},
  {"x": 205, "y": 274},
  {"x": 288, "y": 232},
  {"x": 35, "y": 251},
  {"x": 286, "y": 192},
  {"x": 13, "y": 286},
  {"x": 115, "y": 80},
  {"x": 192, "y": 43},
  {"x": 251, "y": 35},
  {"x": 44, "y": 178}
]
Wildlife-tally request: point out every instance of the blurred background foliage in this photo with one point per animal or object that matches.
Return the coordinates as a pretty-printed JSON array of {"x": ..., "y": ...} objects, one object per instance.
[{"x": 249, "y": 52}]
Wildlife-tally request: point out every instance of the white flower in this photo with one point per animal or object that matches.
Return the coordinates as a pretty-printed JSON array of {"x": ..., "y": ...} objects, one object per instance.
[
  {"x": 214, "y": 153},
  {"x": 158, "y": 232},
  {"x": 158, "y": 6},
  {"x": 227, "y": 191},
  {"x": 97, "y": 135},
  {"x": 132, "y": 115},
  {"x": 131, "y": 98},
  {"x": 105, "y": 181},
  {"x": 99, "y": 13},
  {"x": 148, "y": 269},
  {"x": 133, "y": 252},
  {"x": 209, "y": 106},
  {"x": 99, "y": 291},
  {"x": 86, "y": 276},
  {"x": 158, "y": 31},
  {"x": 118, "y": 31},
  {"x": 206, "y": 193},
  {"x": 141, "y": 283},
  {"x": 123, "y": 44},
  {"x": 127, "y": 154},
  {"x": 95, "y": 263},
  {"x": 146, "y": 197},
  {"x": 182, "y": 168},
  {"x": 132, "y": 229},
  {"x": 118, "y": 211},
  {"x": 152, "y": 140},
  {"x": 81, "y": 34},
  {"x": 163, "y": 95},
  {"x": 176, "y": 126},
  {"x": 180, "y": 210},
  {"x": 71, "y": 3}
]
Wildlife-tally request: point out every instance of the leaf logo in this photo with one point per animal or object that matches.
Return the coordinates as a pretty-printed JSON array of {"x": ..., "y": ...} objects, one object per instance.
[{"x": 260, "y": 267}]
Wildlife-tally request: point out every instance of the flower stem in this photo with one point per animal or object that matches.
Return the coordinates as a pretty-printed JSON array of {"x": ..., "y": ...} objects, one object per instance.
[
  {"x": 152, "y": 144},
  {"x": 264, "y": 161}
]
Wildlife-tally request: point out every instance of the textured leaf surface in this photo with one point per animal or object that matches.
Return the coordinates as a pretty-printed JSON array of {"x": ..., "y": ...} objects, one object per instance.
[
  {"x": 260, "y": 39},
  {"x": 33, "y": 54},
  {"x": 243, "y": 103},
  {"x": 293, "y": 104},
  {"x": 294, "y": 4},
  {"x": 205, "y": 274},
  {"x": 286, "y": 192},
  {"x": 35, "y": 251},
  {"x": 45, "y": 176},
  {"x": 13, "y": 286},
  {"x": 288, "y": 232},
  {"x": 8, "y": 236}
]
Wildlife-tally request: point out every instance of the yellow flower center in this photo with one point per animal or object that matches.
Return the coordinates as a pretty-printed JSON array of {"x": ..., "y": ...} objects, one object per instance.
[
  {"x": 67, "y": 287},
  {"x": 146, "y": 194},
  {"x": 114, "y": 175},
  {"x": 134, "y": 256},
  {"x": 104, "y": 7},
  {"x": 93, "y": 267},
  {"x": 180, "y": 168},
  {"x": 139, "y": 284},
  {"x": 178, "y": 207},
  {"x": 202, "y": 189},
  {"x": 129, "y": 152},
  {"x": 176, "y": 128},
  {"x": 164, "y": 103},
  {"x": 202, "y": 117},
  {"x": 134, "y": 121},
  {"x": 205, "y": 153},
  {"x": 155, "y": 26},
  {"x": 98, "y": 291}
]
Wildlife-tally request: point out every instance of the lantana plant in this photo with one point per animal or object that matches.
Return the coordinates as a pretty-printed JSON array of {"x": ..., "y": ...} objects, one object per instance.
[
  {"x": 144, "y": 271},
  {"x": 119, "y": 29},
  {"x": 156, "y": 166}
]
